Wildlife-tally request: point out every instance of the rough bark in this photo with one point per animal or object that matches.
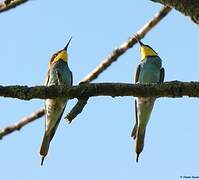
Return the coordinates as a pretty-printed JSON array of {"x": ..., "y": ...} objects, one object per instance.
[
  {"x": 9, "y": 4},
  {"x": 168, "y": 89},
  {"x": 187, "y": 7}
]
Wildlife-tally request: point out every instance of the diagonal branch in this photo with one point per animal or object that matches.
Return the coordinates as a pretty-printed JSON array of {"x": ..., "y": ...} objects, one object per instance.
[
  {"x": 9, "y": 4},
  {"x": 187, "y": 7},
  {"x": 126, "y": 45},
  {"x": 77, "y": 109},
  {"x": 21, "y": 123}
]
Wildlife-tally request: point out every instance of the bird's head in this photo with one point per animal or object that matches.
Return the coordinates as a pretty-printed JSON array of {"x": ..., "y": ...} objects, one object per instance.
[
  {"x": 60, "y": 55},
  {"x": 145, "y": 50}
]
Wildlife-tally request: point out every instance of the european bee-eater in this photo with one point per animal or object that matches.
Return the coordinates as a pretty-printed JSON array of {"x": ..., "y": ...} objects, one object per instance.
[
  {"x": 148, "y": 71},
  {"x": 58, "y": 74}
]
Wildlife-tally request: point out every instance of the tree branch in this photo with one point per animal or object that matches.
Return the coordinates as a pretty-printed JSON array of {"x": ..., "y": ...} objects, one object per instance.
[
  {"x": 21, "y": 123},
  {"x": 187, "y": 7},
  {"x": 77, "y": 109},
  {"x": 118, "y": 52},
  {"x": 168, "y": 89},
  {"x": 112, "y": 57},
  {"x": 9, "y": 4}
]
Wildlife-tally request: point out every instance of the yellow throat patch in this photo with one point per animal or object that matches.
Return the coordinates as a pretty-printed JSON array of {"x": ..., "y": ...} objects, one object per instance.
[
  {"x": 61, "y": 55},
  {"x": 147, "y": 51}
]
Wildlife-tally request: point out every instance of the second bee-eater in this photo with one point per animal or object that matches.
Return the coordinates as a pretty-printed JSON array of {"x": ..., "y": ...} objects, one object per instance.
[
  {"x": 148, "y": 71},
  {"x": 58, "y": 74}
]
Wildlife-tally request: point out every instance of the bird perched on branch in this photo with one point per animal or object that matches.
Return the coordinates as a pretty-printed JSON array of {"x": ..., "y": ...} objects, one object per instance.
[
  {"x": 148, "y": 71},
  {"x": 58, "y": 74}
]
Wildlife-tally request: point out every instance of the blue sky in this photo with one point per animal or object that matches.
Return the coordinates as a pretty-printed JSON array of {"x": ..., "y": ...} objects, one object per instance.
[{"x": 97, "y": 145}]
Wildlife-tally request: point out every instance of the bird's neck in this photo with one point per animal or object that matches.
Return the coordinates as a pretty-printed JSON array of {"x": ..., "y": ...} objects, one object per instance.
[
  {"x": 146, "y": 51},
  {"x": 62, "y": 55}
]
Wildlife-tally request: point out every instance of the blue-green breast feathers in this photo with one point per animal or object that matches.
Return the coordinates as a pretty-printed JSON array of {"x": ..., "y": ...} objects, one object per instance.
[
  {"x": 60, "y": 71},
  {"x": 150, "y": 70}
]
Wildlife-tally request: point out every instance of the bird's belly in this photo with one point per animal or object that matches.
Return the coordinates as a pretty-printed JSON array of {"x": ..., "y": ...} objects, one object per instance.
[
  {"x": 54, "y": 109},
  {"x": 144, "y": 109}
]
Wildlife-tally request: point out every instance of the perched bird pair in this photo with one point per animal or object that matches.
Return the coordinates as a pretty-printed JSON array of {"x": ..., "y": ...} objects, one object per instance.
[
  {"x": 148, "y": 71},
  {"x": 58, "y": 74}
]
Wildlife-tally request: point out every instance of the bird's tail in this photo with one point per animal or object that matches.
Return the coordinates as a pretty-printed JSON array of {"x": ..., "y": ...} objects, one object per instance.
[
  {"x": 44, "y": 147},
  {"x": 133, "y": 133},
  {"x": 139, "y": 142}
]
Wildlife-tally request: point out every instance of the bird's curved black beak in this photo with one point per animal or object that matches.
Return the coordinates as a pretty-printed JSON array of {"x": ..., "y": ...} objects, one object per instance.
[
  {"x": 138, "y": 40},
  {"x": 65, "y": 48}
]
